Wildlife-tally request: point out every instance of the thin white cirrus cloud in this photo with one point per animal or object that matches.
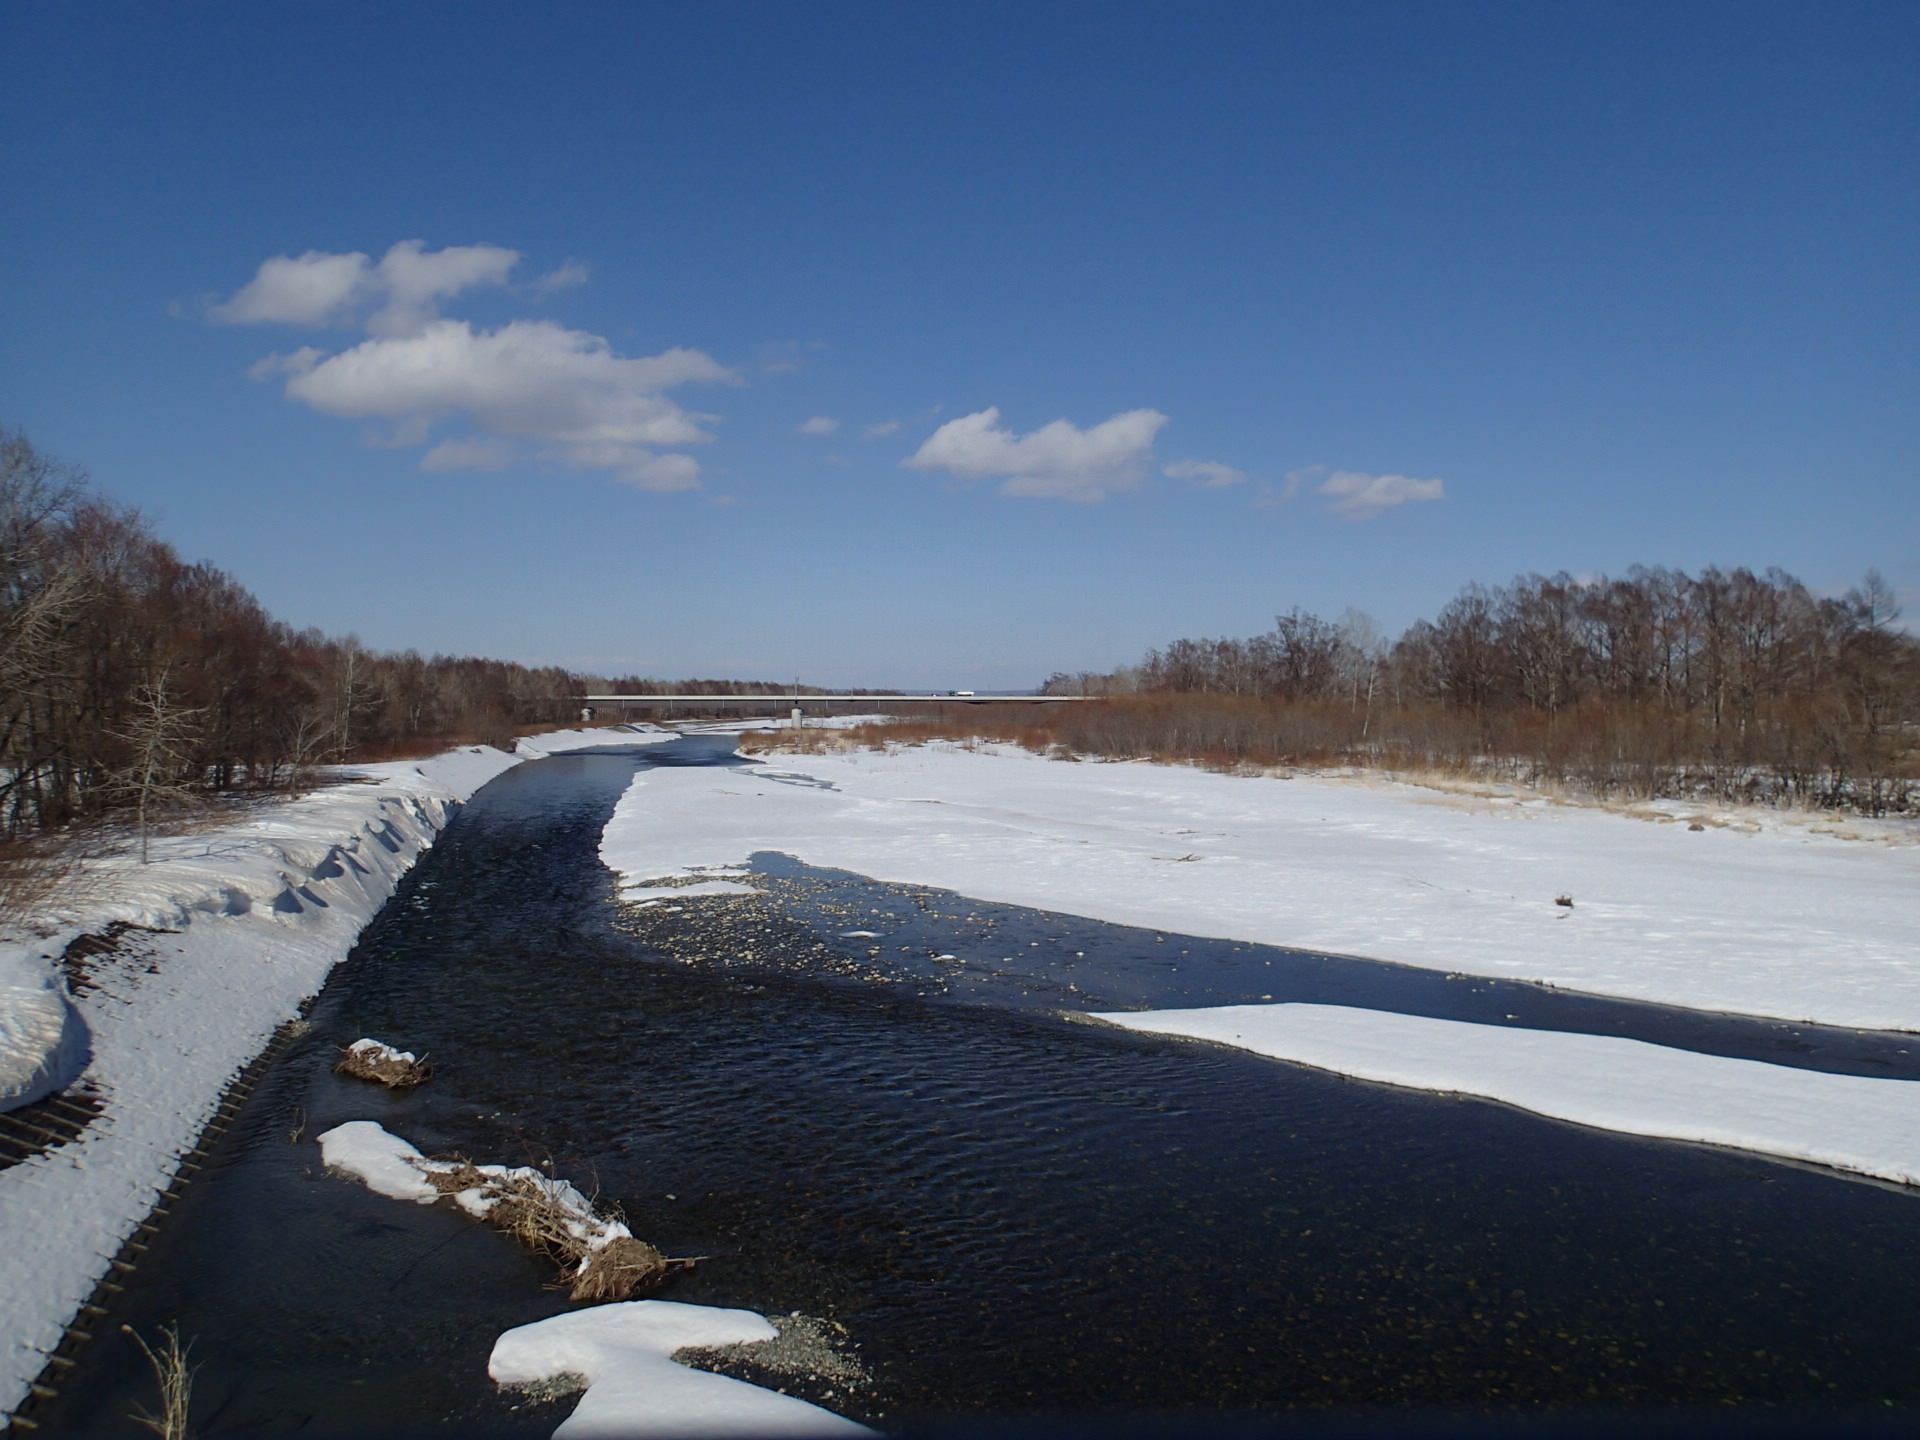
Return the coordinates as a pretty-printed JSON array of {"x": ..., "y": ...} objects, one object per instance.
[
  {"x": 526, "y": 388},
  {"x": 784, "y": 357},
  {"x": 1204, "y": 474},
  {"x": 1356, "y": 495},
  {"x": 880, "y": 429},
  {"x": 451, "y": 455},
  {"x": 293, "y": 362},
  {"x": 1059, "y": 461},
  {"x": 564, "y": 276},
  {"x": 818, "y": 425}
]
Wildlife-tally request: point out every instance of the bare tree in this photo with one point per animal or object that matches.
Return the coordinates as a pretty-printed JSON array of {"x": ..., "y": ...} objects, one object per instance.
[
  {"x": 1362, "y": 655},
  {"x": 160, "y": 732}
]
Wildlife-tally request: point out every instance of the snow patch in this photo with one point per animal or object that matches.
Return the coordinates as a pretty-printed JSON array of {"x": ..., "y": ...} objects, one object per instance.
[
  {"x": 385, "y": 1163},
  {"x": 559, "y": 742},
  {"x": 1847, "y": 1122},
  {"x": 390, "y": 1166},
  {"x": 43, "y": 1040},
  {"x": 380, "y": 1050},
  {"x": 646, "y": 893},
  {"x": 634, "y": 1388}
]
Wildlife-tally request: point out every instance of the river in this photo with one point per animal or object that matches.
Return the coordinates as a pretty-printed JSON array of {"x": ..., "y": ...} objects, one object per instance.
[{"x": 1007, "y": 1210}]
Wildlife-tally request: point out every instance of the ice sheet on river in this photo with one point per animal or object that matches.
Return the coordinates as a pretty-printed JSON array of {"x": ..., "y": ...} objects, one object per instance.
[
  {"x": 1847, "y": 1122},
  {"x": 1780, "y": 920}
]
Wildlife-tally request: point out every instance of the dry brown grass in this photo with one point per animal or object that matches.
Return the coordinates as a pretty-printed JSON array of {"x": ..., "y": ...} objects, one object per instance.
[
  {"x": 544, "y": 1219},
  {"x": 175, "y": 1378},
  {"x": 619, "y": 1270},
  {"x": 1587, "y": 753},
  {"x": 393, "y": 1071}
]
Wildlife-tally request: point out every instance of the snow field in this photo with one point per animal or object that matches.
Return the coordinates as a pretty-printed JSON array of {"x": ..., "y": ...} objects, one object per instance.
[{"x": 1784, "y": 922}]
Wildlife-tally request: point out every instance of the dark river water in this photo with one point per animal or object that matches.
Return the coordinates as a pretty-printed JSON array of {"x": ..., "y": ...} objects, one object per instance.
[{"x": 1010, "y": 1212}]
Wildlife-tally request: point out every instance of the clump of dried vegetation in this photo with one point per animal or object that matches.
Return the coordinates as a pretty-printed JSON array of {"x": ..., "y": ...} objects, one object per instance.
[
  {"x": 597, "y": 1257},
  {"x": 175, "y": 1378},
  {"x": 383, "y": 1065}
]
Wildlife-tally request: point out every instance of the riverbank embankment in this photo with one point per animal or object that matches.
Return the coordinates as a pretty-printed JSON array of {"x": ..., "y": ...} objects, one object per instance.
[{"x": 145, "y": 988}]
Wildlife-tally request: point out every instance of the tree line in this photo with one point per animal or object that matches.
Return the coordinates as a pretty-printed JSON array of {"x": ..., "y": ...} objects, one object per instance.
[
  {"x": 1732, "y": 683},
  {"x": 128, "y": 675},
  {"x": 131, "y": 679}
]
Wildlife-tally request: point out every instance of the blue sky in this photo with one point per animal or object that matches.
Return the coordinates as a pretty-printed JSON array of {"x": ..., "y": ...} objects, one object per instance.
[{"x": 1403, "y": 296}]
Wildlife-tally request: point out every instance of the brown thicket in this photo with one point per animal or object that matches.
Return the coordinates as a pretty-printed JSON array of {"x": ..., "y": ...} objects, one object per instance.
[
  {"x": 129, "y": 678},
  {"x": 1726, "y": 685}
]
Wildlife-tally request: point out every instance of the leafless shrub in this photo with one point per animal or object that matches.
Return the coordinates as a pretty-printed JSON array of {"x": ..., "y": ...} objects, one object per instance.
[{"x": 31, "y": 873}]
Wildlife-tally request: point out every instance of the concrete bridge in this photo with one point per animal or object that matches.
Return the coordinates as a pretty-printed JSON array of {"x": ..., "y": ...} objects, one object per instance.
[{"x": 795, "y": 704}]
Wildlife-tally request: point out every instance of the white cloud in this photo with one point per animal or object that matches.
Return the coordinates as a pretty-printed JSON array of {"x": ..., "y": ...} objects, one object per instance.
[
  {"x": 406, "y": 286},
  {"x": 1204, "y": 474},
  {"x": 294, "y": 362},
  {"x": 1059, "y": 461},
  {"x": 880, "y": 429},
  {"x": 662, "y": 474},
  {"x": 818, "y": 425},
  {"x": 784, "y": 357},
  {"x": 414, "y": 280},
  {"x": 563, "y": 276},
  {"x": 1355, "y": 495},
  {"x": 467, "y": 455},
  {"x": 403, "y": 434},
  {"x": 1273, "y": 497},
  {"x": 311, "y": 289},
  {"x": 530, "y": 386},
  {"x": 531, "y": 380}
]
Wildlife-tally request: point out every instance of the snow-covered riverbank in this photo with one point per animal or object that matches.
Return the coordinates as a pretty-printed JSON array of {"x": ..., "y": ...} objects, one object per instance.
[
  {"x": 236, "y": 926},
  {"x": 1847, "y": 1122},
  {"x": 1780, "y": 921},
  {"x": 1770, "y": 919}
]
